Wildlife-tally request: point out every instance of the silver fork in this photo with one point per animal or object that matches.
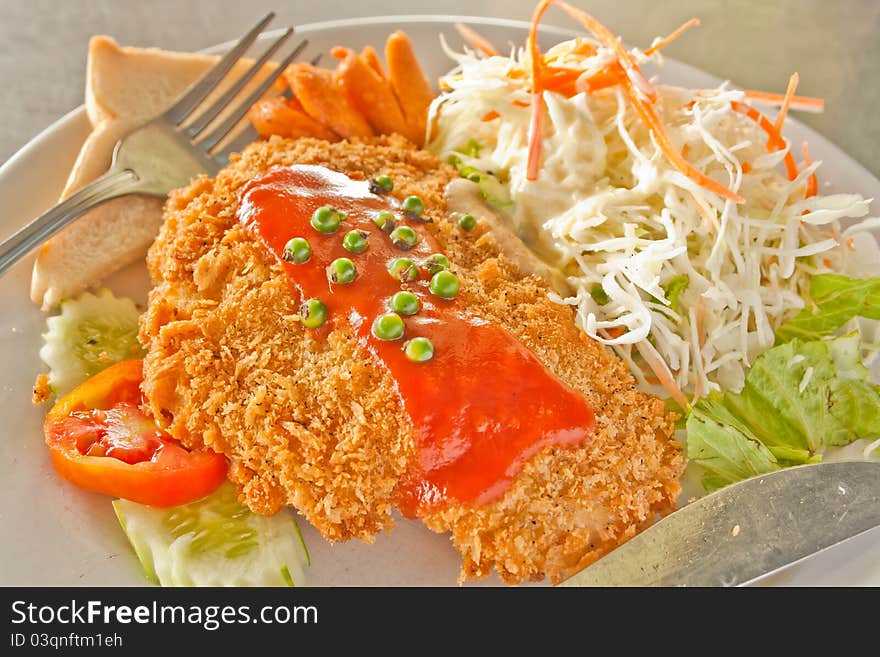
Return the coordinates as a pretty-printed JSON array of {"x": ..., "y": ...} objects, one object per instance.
[{"x": 166, "y": 152}]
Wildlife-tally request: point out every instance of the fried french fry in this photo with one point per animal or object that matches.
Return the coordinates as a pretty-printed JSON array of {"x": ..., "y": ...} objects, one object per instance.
[
  {"x": 409, "y": 82},
  {"x": 277, "y": 116},
  {"x": 325, "y": 102},
  {"x": 373, "y": 97},
  {"x": 371, "y": 57},
  {"x": 340, "y": 52}
]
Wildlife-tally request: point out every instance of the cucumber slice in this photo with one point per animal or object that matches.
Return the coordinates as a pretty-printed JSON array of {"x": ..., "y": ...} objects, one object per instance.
[
  {"x": 91, "y": 333},
  {"x": 215, "y": 542}
]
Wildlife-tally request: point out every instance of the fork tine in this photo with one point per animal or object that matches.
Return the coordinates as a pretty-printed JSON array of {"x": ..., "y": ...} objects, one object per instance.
[
  {"x": 245, "y": 137},
  {"x": 315, "y": 60},
  {"x": 199, "y": 89},
  {"x": 202, "y": 120},
  {"x": 213, "y": 138}
]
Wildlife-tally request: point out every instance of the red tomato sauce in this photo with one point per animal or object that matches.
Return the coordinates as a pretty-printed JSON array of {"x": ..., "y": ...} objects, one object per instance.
[{"x": 482, "y": 406}]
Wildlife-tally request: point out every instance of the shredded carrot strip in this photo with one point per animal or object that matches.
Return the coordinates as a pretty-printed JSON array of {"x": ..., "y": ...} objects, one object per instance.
[
  {"x": 561, "y": 80},
  {"x": 536, "y": 128},
  {"x": 584, "y": 48},
  {"x": 783, "y": 110},
  {"x": 804, "y": 103},
  {"x": 662, "y": 43},
  {"x": 812, "y": 181},
  {"x": 476, "y": 40},
  {"x": 568, "y": 81},
  {"x": 520, "y": 103},
  {"x": 537, "y": 122},
  {"x": 639, "y": 91},
  {"x": 491, "y": 115},
  {"x": 698, "y": 389},
  {"x": 609, "y": 40},
  {"x": 699, "y": 312},
  {"x": 608, "y": 76},
  {"x": 661, "y": 371},
  {"x": 649, "y": 116},
  {"x": 705, "y": 213},
  {"x": 775, "y": 141},
  {"x": 746, "y": 167}
]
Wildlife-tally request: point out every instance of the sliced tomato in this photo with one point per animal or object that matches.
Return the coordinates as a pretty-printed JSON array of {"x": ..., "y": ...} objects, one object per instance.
[{"x": 101, "y": 440}]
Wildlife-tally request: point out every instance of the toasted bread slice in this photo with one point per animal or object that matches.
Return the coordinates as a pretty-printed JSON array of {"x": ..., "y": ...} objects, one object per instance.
[{"x": 125, "y": 87}]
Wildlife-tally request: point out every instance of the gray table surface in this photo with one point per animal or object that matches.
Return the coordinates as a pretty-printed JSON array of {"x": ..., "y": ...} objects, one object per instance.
[{"x": 833, "y": 44}]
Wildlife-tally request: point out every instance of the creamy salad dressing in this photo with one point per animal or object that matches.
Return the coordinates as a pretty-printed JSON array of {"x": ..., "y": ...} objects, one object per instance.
[{"x": 464, "y": 197}]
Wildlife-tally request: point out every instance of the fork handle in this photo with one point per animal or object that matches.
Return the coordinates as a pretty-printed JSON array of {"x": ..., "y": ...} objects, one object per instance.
[{"x": 112, "y": 184}]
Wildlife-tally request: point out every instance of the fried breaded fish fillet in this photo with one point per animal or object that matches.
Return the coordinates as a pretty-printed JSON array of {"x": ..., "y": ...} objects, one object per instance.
[{"x": 316, "y": 423}]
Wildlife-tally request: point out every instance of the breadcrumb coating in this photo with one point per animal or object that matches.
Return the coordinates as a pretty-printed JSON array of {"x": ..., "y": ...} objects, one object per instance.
[{"x": 317, "y": 424}]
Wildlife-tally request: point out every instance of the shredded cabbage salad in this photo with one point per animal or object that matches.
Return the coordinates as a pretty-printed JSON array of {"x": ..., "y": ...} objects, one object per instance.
[{"x": 686, "y": 286}]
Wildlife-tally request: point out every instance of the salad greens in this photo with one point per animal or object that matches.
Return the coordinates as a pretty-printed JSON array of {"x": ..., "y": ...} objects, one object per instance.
[
  {"x": 836, "y": 300},
  {"x": 799, "y": 398},
  {"x": 806, "y": 394}
]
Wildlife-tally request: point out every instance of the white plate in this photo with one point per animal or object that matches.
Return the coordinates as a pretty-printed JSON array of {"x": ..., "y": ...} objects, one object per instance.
[{"x": 56, "y": 534}]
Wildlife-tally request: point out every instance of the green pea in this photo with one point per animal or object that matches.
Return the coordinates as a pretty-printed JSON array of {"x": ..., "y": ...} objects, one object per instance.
[
  {"x": 355, "y": 241},
  {"x": 326, "y": 220},
  {"x": 418, "y": 350},
  {"x": 404, "y": 303},
  {"x": 413, "y": 205},
  {"x": 445, "y": 284},
  {"x": 404, "y": 237},
  {"x": 388, "y": 326},
  {"x": 435, "y": 262},
  {"x": 313, "y": 313},
  {"x": 403, "y": 269},
  {"x": 467, "y": 222},
  {"x": 298, "y": 251},
  {"x": 341, "y": 271},
  {"x": 385, "y": 221},
  {"x": 381, "y": 185}
]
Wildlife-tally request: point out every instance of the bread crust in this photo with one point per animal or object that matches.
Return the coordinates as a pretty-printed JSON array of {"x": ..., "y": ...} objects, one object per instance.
[{"x": 125, "y": 87}]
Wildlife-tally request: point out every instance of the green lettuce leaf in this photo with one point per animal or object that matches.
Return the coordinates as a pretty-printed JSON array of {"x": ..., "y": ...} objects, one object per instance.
[
  {"x": 798, "y": 399},
  {"x": 727, "y": 454},
  {"x": 836, "y": 300}
]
